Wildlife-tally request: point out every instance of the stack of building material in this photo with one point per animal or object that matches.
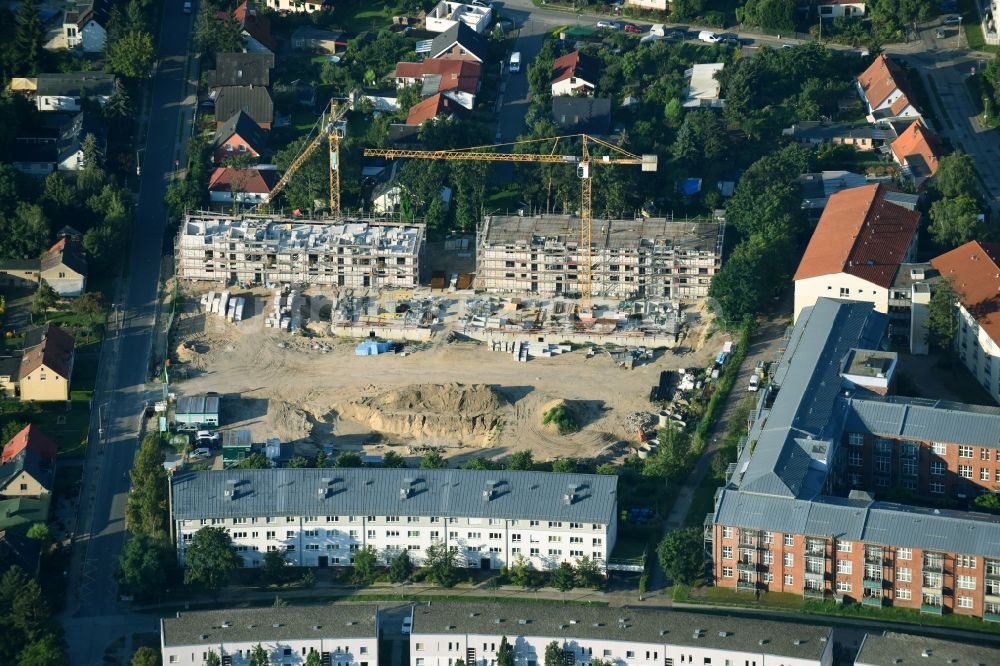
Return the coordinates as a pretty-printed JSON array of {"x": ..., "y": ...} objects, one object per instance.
[
  {"x": 278, "y": 317},
  {"x": 221, "y": 303}
]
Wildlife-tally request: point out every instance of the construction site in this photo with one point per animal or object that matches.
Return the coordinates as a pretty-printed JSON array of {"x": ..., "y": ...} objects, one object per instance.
[{"x": 265, "y": 250}]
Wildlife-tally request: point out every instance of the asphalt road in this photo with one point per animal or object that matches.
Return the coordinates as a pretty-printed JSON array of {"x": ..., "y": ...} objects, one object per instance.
[{"x": 92, "y": 618}]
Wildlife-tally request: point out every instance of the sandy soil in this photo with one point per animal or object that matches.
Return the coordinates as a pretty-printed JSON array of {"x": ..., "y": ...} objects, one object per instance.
[{"x": 304, "y": 390}]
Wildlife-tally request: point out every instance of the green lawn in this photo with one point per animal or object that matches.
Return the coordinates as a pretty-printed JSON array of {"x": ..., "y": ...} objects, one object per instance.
[
  {"x": 629, "y": 547},
  {"x": 68, "y": 428},
  {"x": 973, "y": 29},
  {"x": 703, "y": 501},
  {"x": 357, "y": 16}
]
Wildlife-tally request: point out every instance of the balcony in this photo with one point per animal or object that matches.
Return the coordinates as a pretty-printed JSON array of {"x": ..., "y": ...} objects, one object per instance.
[
  {"x": 875, "y": 558},
  {"x": 810, "y": 593},
  {"x": 872, "y": 584},
  {"x": 991, "y": 617},
  {"x": 818, "y": 550},
  {"x": 814, "y": 575},
  {"x": 745, "y": 586},
  {"x": 744, "y": 565},
  {"x": 992, "y": 574},
  {"x": 992, "y": 597},
  {"x": 934, "y": 566},
  {"x": 871, "y": 601},
  {"x": 931, "y": 609}
]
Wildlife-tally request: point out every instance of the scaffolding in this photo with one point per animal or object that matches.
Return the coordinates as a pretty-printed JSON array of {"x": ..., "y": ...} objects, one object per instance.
[{"x": 640, "y": 258}]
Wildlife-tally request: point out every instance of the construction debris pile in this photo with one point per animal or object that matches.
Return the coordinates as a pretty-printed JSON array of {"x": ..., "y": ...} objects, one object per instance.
[
  {"x": 392, "y": 309},
  {"x": 525, "y": 351},
  {"x": 222, "y": 304}
]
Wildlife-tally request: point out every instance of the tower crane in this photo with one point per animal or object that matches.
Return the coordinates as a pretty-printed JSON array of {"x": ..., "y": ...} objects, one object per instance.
[
  {"x": 331, "y": 127},
  {"x": 583, "y": 163}
]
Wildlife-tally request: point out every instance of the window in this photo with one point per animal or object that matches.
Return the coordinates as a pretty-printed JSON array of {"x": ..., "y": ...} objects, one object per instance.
[
  {"x": 984, "y": 474},
  {"x": 845, "y": 546},
  {"x": 789, "y": 579},
  {"x": 412, "y": 533},
  {"x": 789, "y": 540},
  {"x": 984, "y": 454},
  {"x": 937, "y": 488},
  {"x": 883, "y": 446},
  {"x": 845, "y": 567},
  {"x": 789, "y": 559},
  {"x": 904, "y": 575},
  {"x": 855, "y": 439},
  {"x": 843, "y": 586},
  {"x": 727, "y": 532},
  {"x": 855, "y": 458},
  {"x": 903, "y": 594},
  {"x": 908, "y": 466},
  {"x": 965, "y": 452},
  {"x": 727, "y": 552},
  {"x": 768, "y": 537},
  {"x": 965, "y": 471},
  {"x": 904, "y": 554},
  {"x": 965, "y": 602},
  {"x": 939, "y": 449},
  {"x": 965, "y": 561},
  {"x": 938, "y": 468},
  {"x": 768, "y": 557},
  {"x": 883, "y": 465},
  {"x": 727, "y": 572},
  {"x": 844, "y": 292},
  {"x": 966, "y": 582}
]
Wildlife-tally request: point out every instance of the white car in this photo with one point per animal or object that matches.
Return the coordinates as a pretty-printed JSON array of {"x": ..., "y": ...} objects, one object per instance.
[
  {"x": 407, "y": 624},
  {"x": 209, "y": 436},
  {"x": 187, "y": 6},
  {"x": 954, "y": 19},
  {"x": 754, "y": 383},
  {"x": 708, "y": 36},
  {"x": 199, "y": 454},
  {"x": 608, "y": 25}
]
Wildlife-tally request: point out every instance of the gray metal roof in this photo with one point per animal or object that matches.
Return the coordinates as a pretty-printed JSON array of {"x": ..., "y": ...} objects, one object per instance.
[
  {"x": 198, "y": 404},
  {"x": 893, "y": 649},
  {"x": 368, "y": 491},
  {"x": 619, "y": 624},
  {"x": 925, "y": 420},
  {"x": 882, "y": 523},
  {"x": 257, "y": 624},
  {"x": 795, "y": 440}
]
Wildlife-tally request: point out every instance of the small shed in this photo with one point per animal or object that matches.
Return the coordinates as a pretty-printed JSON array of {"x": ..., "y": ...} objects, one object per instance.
[
  {"x": 197, "y": 410},
  {"x": 372, "y": 348},
  {"x": 237, "y": 445}
]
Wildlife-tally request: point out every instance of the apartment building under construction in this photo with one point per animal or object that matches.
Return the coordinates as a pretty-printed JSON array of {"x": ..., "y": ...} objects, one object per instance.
[
  {"x": 254, "y": 249},
  {"x": 651, "y": 257}
]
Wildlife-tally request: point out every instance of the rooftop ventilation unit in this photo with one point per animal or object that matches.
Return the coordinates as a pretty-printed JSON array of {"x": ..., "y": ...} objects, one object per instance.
[
  {"x": 490, "y": 490},
  {"x": 231, "y": 489}
]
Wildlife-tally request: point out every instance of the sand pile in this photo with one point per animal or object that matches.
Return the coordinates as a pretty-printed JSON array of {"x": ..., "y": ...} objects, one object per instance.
[{"x": 443, "y": 412}]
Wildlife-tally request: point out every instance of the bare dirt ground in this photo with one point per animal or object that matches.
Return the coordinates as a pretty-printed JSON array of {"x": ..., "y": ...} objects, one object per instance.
[{"x": 459, "y": 395}]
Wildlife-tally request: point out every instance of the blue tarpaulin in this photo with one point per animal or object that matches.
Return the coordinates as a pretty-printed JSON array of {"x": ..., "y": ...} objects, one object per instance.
[
  {"x": 690, "y": 186},
  {"x": 372, "y": 348}
]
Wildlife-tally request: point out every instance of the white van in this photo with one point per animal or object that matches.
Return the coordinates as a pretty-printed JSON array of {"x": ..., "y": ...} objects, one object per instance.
[
  {"x": 515, "y": 62},
  {"x": 708, "y": 36},
  {"x": 658, "y": 29}
]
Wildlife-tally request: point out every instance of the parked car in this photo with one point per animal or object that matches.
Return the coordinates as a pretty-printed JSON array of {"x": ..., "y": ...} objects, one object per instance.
[
  {"x": 632, "y": 29},
  {"x": 187, "y": 6},
  {"x": 954, "y": 19},
  {"x": 788, "y": 46},
  {"x": 754, "y": 383},
  {"x": 187, "y": 427},
  {"x": 708, "y": 36},
  {"x": 208, "y": 438},
  {"x": 658, "y": 29},
  {"x": 729, "y": 39},
  {"x": 199, "y": 454},
  {"x": 939, "y": 34},
  {"x": 608, "y": 25},
  {"x": 407, "y": 624},
  {"x": 679, "y": 35}
]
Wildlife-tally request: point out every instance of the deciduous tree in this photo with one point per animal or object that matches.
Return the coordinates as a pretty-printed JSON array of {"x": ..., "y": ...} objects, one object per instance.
[
  {"x": 210, "y": 561},
  {"x": 146, "y": 509},
  {"x": 955, "y": 221},
  {"x": 365, "y": 563},
  {"x": 442, "y": 562},
  {"x": 942, "y": 316},
  {"x": 564, "y": 578},
  {"x": 131, "y": 55},
  {"x": 146, "y": 656},
  {"x": 433, "y": 460},
  {"x": 400, "y": 567},
  {"x": 143, "y": 566},
  {"x": 273, "y": 569},
  {"x": 682, "y": 555},
  {"x": 553, "y": 654},
  {"x": 505, "y": 653}
]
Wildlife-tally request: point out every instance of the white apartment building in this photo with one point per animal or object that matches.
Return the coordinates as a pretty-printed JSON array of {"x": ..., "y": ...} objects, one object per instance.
[
  {"x": 255, "y": 249},
  {"x": 447, "y": 14},
  {"x": 342, "y": 634},
  {"x": 321, "y": 517},
  {"x": 444, "y": 632},
  {"x": 974, "y": 272}
]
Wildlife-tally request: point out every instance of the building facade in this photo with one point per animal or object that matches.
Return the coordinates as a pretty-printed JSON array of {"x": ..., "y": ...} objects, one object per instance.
[
  {"x": 266, "y": 250},
  {"x": 444, "y": 633},
  {"x": 321, "y": 517},
  {"x": 805, "y": 508},
  {"x": 654, "y": 257},
  {"x": 974, "y": 273},
  {"x": 47, "y": 364},
  {"x": 341, "y": 634}
]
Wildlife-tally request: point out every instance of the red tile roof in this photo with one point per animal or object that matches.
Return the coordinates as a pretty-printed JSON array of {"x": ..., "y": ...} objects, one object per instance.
[
  {"x": 255, "y": 24},
  {"x": 455, "y": 74},
  {"x": 250, "y": 181},
  {"x": 432, "y": 107},
  {"x": 577, "y": 65},
  {"x": 31, "y": 438},
  {"x": 862, "y": 234},
  {"x": 54, "y": 351},
  {"x": 917, "y": 140},
  {"x": 880, "y": 80},
  {"x": 974, "y": 271}
]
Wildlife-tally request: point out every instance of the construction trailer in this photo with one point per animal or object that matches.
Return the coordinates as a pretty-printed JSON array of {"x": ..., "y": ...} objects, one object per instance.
[
  {"x": 645, "y": 257},
  {"x": 264, "y": 249}
]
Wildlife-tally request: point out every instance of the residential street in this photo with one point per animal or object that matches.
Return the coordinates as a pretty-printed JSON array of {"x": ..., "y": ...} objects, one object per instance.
[{"x": 121, "y": 391}]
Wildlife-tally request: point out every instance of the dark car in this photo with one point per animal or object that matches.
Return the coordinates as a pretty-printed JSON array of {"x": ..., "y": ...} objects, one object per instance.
[
  {"x": 675, "y": 35},
  {"x": 632, "y": 29},
  {"x": 729, "y": 39}
]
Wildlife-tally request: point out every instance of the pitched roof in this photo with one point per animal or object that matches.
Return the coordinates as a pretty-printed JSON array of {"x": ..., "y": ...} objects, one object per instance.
[
  {"x": 73, "y": 134},
  {"x": 591, "y": 115},
  {"x": 255, "y": 101},
  {"x": 578, "y": 65},
  {"x": 65, "y": 253},
  {"x": 27, "y": 460},
  {"x": 432, "y": 107},
  {"x": 50, "y": 346},
  {"x": 881, "y": 79},
  {"x": 71, "y": 83},
  {"x": 245, "y": 127},
  {"x": 255, "y": 24},
  {"x": 450, "y": 74},
  {"x": 241, "y": 69},
  {"x": 249, "y": 181},
  {"x": 30, "y": 437},
  {"x": 95, "y": 10},
  {"x": 974, "y": 271},
  {"x": 463, "y": 35},
  {"x": 919, "y": 148},
  {"x": 862, "y": 234},
  {"x": 369, "y": 491},
  {"x": 18, "y": 511}
]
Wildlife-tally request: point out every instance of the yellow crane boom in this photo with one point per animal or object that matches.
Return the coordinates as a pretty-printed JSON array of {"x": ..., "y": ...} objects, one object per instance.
[
  {"x": 583, "y": 163},
  {"x": 331, "y": 128}
]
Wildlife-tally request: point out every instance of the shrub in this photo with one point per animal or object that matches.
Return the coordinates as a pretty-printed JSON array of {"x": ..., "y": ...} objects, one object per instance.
[{"x": 563, "y": 419}]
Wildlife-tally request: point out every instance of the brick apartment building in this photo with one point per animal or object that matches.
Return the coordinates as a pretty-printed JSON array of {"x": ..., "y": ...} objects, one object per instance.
[{"x": 804, "y": 510}]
